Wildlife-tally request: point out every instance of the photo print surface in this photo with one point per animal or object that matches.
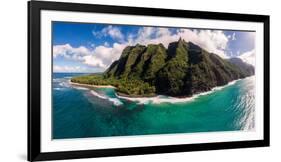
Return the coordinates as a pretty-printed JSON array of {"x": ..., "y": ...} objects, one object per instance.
[{"x": 127, "y": 80}]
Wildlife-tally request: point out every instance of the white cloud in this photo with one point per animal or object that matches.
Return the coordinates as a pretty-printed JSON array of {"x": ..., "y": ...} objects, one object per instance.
[
  {"x": 249, "y": 57},
  {"x": 152, "y": 35},
  {"x": 233, "y": 37},
  {"x": 67, "y": 51},
  {"x": 106, "y": 44},
  {"x": 93, "y": 45},
  {"x": 102, "y": 56},
  {"x": 214, "y": 41},
  {"x": 64, "y": 69},
  {"x": 114, "y": 32},
  {"x": 94, "y": 61},
  {"x": 97, "y": 34},
  {"x": 238, "y": 53}
]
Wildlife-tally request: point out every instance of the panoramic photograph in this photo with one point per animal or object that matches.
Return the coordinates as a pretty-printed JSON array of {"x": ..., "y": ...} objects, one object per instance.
[{"x": 114, "y": 80}]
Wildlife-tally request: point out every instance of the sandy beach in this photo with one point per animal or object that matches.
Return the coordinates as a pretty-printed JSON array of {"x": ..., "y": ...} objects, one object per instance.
[{"x": 94, "y": 86}]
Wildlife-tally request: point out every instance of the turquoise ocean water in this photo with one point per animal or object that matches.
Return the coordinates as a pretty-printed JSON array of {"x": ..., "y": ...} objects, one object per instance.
[{"x": 79, "y": 112}]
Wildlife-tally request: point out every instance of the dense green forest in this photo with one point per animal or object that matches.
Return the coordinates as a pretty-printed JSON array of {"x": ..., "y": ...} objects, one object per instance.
[
  {"x": 183, "y": 69},
  {"x": 123, "y": 86}
]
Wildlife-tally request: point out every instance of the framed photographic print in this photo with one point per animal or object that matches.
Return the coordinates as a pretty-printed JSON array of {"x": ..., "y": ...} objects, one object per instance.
[{"x": 114, "y": 80}]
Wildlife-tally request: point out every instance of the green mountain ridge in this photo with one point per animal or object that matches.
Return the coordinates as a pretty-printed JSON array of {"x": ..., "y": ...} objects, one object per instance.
[{"x": 183, "y": 69}]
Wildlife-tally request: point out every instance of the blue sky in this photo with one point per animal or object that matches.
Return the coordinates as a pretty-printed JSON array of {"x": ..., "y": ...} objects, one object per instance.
[{"x": 85, "y": 47}]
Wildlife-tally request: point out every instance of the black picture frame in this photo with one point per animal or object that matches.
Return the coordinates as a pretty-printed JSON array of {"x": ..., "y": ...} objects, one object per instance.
[{"x": 34, "y": 134}]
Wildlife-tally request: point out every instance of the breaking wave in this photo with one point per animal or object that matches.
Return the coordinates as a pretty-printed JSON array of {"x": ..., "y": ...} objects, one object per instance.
[
  {"x": 115, "y": 101},
  {"x": 80, "y": 88},
  {"x": 58, "y": 88}
]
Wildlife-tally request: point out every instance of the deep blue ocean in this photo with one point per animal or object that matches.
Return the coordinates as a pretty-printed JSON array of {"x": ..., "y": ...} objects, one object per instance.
[{"x": 80, "y": 112}]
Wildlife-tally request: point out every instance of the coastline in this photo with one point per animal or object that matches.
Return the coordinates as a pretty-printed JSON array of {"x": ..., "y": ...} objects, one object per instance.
[
  {"x": 109, "y": 86},
  {"x": 91, "y": 86},
  {"x": 157, "y": 99},
  {"x": 168, "y": 99},
  {"x": 135, "y": 96}
]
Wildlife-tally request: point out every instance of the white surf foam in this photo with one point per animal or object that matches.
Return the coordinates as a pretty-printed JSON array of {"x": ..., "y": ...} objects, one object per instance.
[
  {"x": 58, "y": 89},
  {"x": 80, "y": 88},
  {"x": 167, "y": 99},
  {"x": 56, "y": 80},
  {"x": 115, "y": 101},
  {"x": 157, "y": 99},
  {"x": 64, "y": 84},
  {"x": 98, "y": 95}
]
